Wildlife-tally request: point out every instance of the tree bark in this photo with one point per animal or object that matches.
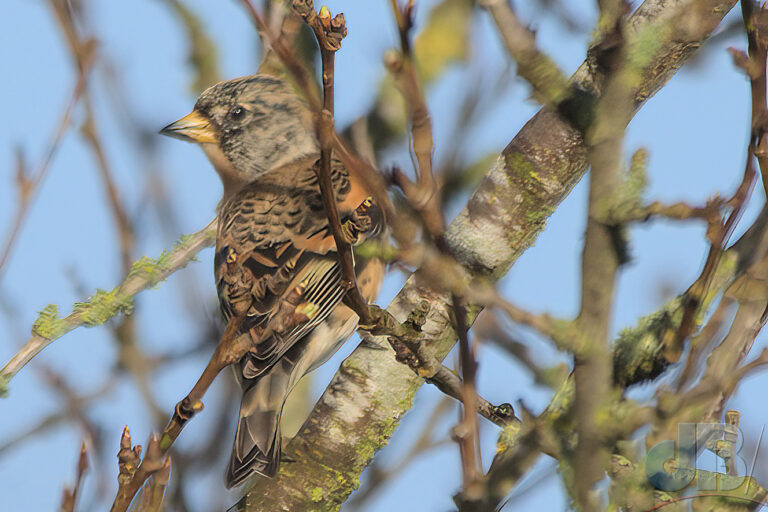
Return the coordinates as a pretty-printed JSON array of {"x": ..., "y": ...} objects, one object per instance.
[{"x": 362, "y": 406}]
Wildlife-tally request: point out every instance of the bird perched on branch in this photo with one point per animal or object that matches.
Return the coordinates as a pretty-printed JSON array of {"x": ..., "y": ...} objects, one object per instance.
[{"x": 276, "y": 268}]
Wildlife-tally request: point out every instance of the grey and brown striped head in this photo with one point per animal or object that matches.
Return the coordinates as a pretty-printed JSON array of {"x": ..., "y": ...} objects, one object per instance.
[{"x": 248, "y": 126}]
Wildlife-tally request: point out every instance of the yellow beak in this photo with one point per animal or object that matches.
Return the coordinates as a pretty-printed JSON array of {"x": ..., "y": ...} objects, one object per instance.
[{"x": 194, "y": 127}]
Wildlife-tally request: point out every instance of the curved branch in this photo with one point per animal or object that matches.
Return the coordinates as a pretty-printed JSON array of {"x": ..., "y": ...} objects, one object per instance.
[{"x": 362, "y": 406}]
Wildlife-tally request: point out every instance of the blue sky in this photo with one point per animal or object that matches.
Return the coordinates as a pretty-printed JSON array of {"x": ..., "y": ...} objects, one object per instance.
[{"x": 695, "y": 130}]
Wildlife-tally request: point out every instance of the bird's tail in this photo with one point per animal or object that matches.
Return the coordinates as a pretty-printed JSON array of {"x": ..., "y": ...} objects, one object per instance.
[{"x": 257, "y": 441}]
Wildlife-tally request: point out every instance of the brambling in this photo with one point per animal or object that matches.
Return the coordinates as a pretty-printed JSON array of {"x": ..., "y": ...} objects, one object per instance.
[{"x": 275, "y": 264}]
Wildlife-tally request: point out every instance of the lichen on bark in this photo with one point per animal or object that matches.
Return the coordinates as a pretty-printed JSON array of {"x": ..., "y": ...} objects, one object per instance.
[{"x": 497, "y": 225}]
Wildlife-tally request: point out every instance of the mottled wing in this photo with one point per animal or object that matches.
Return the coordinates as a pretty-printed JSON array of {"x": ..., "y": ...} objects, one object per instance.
[{"x": 275, "y": 262}]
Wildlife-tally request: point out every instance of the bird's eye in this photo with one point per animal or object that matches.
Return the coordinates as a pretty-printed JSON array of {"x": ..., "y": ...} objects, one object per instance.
[{"x": 237, "y": 112}]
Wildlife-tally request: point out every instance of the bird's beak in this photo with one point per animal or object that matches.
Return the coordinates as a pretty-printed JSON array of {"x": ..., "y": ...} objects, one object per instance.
[{"x": 194, "y": 127}]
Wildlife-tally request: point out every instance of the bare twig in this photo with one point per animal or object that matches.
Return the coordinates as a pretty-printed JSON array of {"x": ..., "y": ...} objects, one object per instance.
[
  {"x": 372, "y": 178},
  {"x": 467, "y": 431},
  {"x": 329, "y": 33},
  {"x": 549, "y": 83},
  {"x": 232, "y": 347},
  {"x": 81, "y": 51},
  {"x": 676, "y": 211},
  {"x": 28, "y": 186},
  {"x": 423, "y": 195},
  {"x": 410, "y": 350},
  {"x": 519, "y": 446},
  {"x": 755, "y": 18},
  {"x": 69, "y": 498},
  {"x": 131, "y": 356},
  {"x": 701, "y": 341},
  {"x": 561, "y": 332},
  {"x": 694, "y": 296},
  {"x": 123, "y": 224},
  {"x": 134, "y": 469},
  {"x": 755, "y": 67},
  {"x": 299, "y": 72}
]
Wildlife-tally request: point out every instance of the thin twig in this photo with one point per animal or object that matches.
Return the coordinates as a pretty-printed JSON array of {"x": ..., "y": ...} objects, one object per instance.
[
  {"x": 425, "y": 198},
  {"x": 561, "y": 332},
  {"x": 79, "y": 48},
  {"x": 549, "y": 83},
  {"x": 467, "y": 430},
  {"x": 69, "y": 497},
  {"x": 125, "y": 231},
  {"x": 755, "y": 16},
  {"x": 134, "y": 469},
  {"x": 406, "y": 339},
  {"x": 423, "y": 195},
  {"x": 299, "y": 72},
  {"x": 372, "y": 178},
  {"x": 28, "y": 186},
  {"x": 131, "y": 356},
  {"x": 427, "y": 366},
  {"x": 695, "y": 295},
  {"x": 755, "y": 67},
  {"x": 710, "y": 212},
  {"x": 329, "y": 33},
  {"x": 232, "y": 347},
  {"x": 701, "y": 341}
]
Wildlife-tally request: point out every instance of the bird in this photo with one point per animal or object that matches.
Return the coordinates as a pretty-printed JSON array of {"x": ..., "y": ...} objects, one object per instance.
[{"x": 276, "y": 267}]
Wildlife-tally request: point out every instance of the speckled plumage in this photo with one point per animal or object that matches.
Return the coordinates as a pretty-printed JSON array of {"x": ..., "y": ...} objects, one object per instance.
[
  {"x": 275, "y": 265},
  {"x": 275, "y": 128}
]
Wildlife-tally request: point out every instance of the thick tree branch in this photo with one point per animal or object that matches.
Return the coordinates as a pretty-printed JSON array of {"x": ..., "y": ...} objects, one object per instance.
[
  {"x": 364, "y": 403},
  {"x": 359, "y": 413}
]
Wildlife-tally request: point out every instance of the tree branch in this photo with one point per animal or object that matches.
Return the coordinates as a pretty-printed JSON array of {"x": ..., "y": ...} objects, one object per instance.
[
  {"x": 603, "y": 253},
  {"x": 28, "y": 186},
  {"x": 550, "y": 84},
  {"x": 145, "y": 273},
  {"x": 329, "y": 34},
  {"x": 363, "y": 404}
]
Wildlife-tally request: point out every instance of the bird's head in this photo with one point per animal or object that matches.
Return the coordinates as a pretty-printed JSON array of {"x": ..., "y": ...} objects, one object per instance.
[{"x": 248, "y": 126}]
